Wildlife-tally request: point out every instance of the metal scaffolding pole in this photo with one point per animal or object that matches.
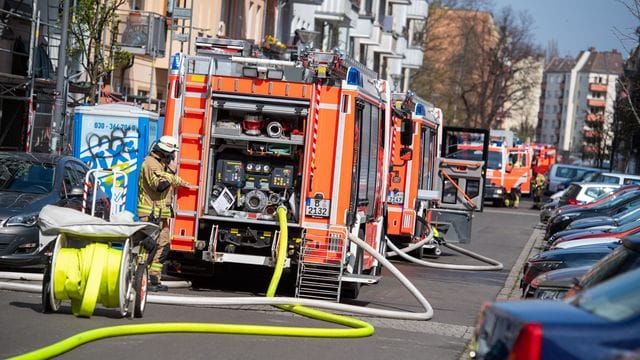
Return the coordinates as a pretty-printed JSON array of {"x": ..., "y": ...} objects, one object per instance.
[{"x": 60, "y": 105}]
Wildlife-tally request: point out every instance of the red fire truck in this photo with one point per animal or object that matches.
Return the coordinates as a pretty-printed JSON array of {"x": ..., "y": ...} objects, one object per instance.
[{"x": 258, "y": 133}]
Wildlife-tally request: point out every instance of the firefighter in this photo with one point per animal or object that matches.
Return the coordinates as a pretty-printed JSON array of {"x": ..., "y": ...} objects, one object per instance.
[
  {"x": 156, "y": 183},
  {"x": 538, "y": 190}
]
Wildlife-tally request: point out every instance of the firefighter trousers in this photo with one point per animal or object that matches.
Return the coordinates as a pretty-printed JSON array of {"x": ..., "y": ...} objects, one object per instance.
[{"x": 160, "y": 253}]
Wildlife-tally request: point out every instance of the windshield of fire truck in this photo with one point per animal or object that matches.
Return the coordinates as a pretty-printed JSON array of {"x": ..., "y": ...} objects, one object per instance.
[{"x": 494, "y": 162}]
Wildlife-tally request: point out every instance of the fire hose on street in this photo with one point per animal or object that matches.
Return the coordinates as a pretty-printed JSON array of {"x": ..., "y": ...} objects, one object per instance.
[{"x": 355, "y": 327}]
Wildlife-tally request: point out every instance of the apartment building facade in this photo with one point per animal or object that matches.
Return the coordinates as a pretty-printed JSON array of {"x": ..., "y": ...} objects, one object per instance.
[
  {"x": 576, "y": 111},
  {"x": 384, "y": 35}
]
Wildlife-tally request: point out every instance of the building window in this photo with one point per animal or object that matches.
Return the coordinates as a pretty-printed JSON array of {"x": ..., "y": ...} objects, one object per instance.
[
  {"x": 137, "y": 4},
  {"x": 416, "y": 32}
]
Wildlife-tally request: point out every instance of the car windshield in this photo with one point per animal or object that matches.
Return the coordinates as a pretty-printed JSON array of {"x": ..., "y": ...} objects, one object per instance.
[
  {"x": 617, "y": 299},
  {"x": 617, "y": 199},
  {"x": 629, "y": 215},
  {"x": 25, "y": 176},
  {"x": 572, "y": 192},
  {"x": 626, "y": 227},
  {"x": 609, "y": 179}
]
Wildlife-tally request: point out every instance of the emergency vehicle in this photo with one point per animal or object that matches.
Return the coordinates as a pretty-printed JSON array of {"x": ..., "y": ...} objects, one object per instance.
[
  {"x": 519, "y": 172},
  {"x": 543, "y": 157},
  {"x": 413, "y": 158},
  {"x": 258, "y": 133}
]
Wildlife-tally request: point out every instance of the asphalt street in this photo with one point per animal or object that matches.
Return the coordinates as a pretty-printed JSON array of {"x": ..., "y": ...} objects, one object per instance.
[{"x": 456, "y": 296}]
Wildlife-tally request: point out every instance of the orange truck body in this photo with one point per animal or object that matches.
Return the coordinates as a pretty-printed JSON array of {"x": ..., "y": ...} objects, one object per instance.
[
  {"x": 411, "y": 169},
  {"x": 543, "y": 157},
  {"x": 314, "y": 145}
]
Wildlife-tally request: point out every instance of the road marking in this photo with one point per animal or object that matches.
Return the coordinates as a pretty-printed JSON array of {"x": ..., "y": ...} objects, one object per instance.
[{"x": 511, "y": 212}]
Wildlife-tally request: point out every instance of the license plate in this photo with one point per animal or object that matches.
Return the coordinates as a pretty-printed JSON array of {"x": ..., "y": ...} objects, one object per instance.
[{"x": 317, "y": 207}]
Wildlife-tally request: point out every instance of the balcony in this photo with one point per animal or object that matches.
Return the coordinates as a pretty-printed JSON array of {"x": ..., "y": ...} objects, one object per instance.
[
  {"x": 338, "y": 12},
  {"x": 363, "y": 28},
  {"x": 419, "y": 9},
  {"x": 596, "y": 87},
  {"x": 596, "y": 103},
  {"x": 595, "y": 118},
  {"x": 413, "y": 58},
  {"x": 142, "y": 33}
]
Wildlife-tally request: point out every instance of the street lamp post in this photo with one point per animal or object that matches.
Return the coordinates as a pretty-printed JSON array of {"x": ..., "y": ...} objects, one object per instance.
[{"x": 59, "y": 107}]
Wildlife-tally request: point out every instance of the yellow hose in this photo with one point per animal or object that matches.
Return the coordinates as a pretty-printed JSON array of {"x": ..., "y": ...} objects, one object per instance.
[{"x": 356, "y": 328}]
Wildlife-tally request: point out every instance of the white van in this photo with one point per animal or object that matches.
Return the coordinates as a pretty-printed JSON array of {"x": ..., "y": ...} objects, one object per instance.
[
  {"x": 560, "y": 173},
  {"x": 617, "y": 178}
]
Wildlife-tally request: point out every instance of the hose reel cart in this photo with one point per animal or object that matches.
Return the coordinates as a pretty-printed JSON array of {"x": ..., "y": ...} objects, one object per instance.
[{"x": 95, "y": 261}]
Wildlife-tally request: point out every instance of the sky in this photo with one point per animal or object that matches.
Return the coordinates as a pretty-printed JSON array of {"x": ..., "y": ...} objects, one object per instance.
[{"x": 577, "y": 25}]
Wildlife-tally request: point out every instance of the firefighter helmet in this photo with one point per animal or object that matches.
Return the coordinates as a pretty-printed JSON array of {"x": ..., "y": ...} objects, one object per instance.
[{"x": 168, "y": 144}]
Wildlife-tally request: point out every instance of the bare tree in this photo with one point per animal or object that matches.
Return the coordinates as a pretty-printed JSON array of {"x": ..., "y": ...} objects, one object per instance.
[
  {"x": 476, "y": 68},
  {"x": 504, "y": 74}
]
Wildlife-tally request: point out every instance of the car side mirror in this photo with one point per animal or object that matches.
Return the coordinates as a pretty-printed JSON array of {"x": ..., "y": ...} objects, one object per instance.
[{"x": 76, "y": 191}]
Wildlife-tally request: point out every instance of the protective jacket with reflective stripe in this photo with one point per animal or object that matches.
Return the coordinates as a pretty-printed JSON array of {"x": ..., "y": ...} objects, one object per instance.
[{"x": 150, "y": 200}]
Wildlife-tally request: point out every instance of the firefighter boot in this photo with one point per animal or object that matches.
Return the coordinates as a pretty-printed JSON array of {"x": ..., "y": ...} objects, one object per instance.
[{"x": 155, "y": 285}]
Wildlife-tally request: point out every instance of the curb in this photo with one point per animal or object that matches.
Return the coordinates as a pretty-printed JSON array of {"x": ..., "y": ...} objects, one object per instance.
[{"x": 511, "y": 289}]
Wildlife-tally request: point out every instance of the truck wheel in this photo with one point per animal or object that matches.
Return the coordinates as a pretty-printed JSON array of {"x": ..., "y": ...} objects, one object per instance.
[
  {"x": 352, "y": 290},
  {"x": 140, "y": 286}
]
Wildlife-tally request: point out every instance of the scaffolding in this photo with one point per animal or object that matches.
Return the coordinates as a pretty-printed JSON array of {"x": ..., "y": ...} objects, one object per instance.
[{"x": 29, "y": 49}]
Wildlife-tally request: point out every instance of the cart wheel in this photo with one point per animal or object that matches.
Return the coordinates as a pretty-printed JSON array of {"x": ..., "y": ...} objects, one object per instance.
[
  {"x": 437, "y": 251},
  {"x": 46, "y": 290},
  {"x": 141, "y": 290}
]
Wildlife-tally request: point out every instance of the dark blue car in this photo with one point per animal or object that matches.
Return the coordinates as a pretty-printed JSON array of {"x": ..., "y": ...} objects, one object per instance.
[
  {"x": 28, "y": 182},
  {"x": 602, "y": 322}
]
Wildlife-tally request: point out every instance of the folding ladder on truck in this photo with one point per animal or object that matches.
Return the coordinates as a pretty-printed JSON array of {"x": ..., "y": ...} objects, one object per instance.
[{"x": 193, "y": 134}]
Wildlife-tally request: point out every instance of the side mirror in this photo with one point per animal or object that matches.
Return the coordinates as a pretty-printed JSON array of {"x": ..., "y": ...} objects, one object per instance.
[
  {"x": 406, "y": 132},
  {"x": 76, "y": 191},
  {"x": 508, "y": 168}
]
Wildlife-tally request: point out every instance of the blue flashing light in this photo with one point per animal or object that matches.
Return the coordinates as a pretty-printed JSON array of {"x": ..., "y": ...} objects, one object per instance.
[
  {"x": 175, "y": 62},
  {"x": 354, "y": 77},
  {"x": 498, "y": 143},
  {"x": 420, "y": 110}
]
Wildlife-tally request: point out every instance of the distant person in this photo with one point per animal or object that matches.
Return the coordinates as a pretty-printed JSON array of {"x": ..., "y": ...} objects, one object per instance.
[{"x": 539, "y": 183}]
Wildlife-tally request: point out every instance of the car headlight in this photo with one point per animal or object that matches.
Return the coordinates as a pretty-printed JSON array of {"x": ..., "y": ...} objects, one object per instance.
[
  {"x": 569, "y": 216},
  {"x": 22, "y": 220},
  {"x": 548, "y": 265},
  {"x": 499, "y": 191},
  {"x": 550, "y": 294}
]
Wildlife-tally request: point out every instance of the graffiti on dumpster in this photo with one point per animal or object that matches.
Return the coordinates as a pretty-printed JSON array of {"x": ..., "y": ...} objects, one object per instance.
[{"x": 110, "y": 143}]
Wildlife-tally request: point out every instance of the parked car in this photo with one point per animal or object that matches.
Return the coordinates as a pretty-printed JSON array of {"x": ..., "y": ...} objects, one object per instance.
[
  {"x": 617, "y": 178},
  {"x": 551, "y": 208},
  {"x": 585, "y": 241},
  {"x": 602, "y": 322},
  {"x": 582, "y": 193},
  {"x": 560, "y": 173},
  {"x": 28, "y": 182},
  {"x": 585, "y": 177},
  {"x": 615, "y": 205},
  {"x": 624, "y": 258},
  {"x": 598, "y": 201},
  {"x": 554, "y": 285},
  {"x": 570, "y": 235},
  {"x": 560, "y": 259}
]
